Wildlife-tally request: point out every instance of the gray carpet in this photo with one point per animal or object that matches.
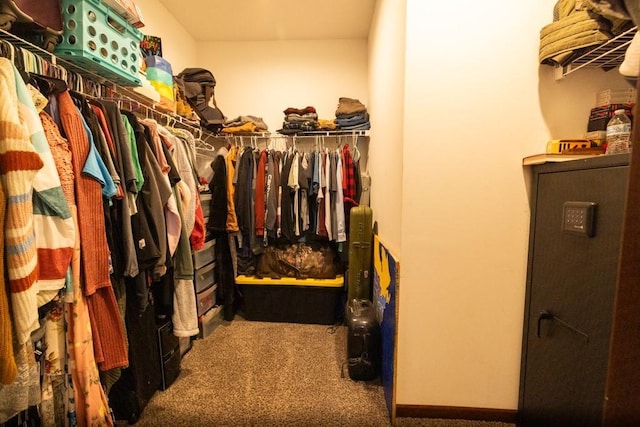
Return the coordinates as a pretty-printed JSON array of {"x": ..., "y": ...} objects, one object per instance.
[{"x": 273, "y": 374}]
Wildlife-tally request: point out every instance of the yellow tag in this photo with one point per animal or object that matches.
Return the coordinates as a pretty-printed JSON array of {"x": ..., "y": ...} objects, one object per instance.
[{"x": 39, "y": 100}]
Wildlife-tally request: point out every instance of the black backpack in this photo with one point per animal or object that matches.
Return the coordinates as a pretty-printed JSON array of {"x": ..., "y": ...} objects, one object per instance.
[{"x": 198, "y": 86}]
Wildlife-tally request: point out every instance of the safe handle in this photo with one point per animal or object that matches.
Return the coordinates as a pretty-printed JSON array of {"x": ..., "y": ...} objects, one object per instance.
[{"x": 546, "y": 315}]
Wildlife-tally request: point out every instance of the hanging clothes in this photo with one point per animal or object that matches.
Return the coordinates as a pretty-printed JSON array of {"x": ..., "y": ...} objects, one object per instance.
[
  {"x": 198, "y": 233},
  {"x": 230, "y": 162},
  {"x": 88, "y": 394},
  {"x": 53, "y": 225},
  {"x": 329, "y": 199},
  {"x": 312, "y": 195},
  {"x": 272, "y": 175},
  {"x": 260, "y": 195},
  {"x": 185, "y": 316},
  {"x": 172, "y": 216},
  {"x": 107, "y": 327},
  {"x": 348, "y": 183},
  {"x": 19, "y": 163},
  {"x": 125, "y": 262},
  {"x": 188, "y": 187},
  {"x": 341, "y": 228},
  {"x": 8, "y": 368},
  {"x": 287, "y": 214},
  {"x": 293, "y": 188}
]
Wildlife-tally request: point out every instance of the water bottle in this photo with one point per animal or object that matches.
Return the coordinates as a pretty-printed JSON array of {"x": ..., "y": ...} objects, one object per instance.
[{"x": 618, "y": 133}]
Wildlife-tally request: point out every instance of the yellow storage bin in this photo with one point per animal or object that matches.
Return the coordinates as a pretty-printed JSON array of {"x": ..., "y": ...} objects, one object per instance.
[{"x": 292, "y": 300}]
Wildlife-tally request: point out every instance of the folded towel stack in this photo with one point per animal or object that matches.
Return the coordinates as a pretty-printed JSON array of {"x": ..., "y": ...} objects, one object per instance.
[{"x": 351, "y": 114}]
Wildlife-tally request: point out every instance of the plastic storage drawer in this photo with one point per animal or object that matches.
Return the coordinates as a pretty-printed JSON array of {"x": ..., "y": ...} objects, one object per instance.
[
  {"x": 209, "y": 321},
  {"x": 292, "y": 300},
  {"x": 205, "y": 255},
  {"x": 205, "y": 277},
  {"x": 99, "y": 40},
  {"x": 205, "y": 203},
  {"x": 206, "y": 299}
]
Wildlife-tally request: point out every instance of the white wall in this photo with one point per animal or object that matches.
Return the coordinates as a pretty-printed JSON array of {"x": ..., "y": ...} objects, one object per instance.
[
  {"x": 566, "y": 103},
  {"x": 386, "y": 94},
  {"x": 471, "y": 113},
  {"x": 178, "y": 47},
  {"x": 263, "y": 78}
]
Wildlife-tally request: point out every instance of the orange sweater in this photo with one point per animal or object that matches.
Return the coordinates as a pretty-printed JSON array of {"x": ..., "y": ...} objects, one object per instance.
[{"x": 106, "y": 323}]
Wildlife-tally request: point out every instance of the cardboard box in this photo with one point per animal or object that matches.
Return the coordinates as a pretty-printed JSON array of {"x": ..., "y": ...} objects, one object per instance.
[
  {"x": 600, "y": 116},
  {"x": 128, "y": 10}
]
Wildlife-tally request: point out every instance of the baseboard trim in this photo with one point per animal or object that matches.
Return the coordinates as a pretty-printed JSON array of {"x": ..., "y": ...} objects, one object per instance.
[{"x": 456, "y": 413}]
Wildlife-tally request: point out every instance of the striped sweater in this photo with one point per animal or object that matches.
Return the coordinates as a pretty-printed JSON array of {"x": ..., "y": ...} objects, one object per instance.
[
  {"x": 8, "y": 367},
  {"x": 19, "y": 163},
  {"x": 53, "y": 225}
]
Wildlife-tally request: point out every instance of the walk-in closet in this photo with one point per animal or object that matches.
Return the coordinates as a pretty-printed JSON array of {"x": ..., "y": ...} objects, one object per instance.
[{"x": 293, "y": 213}]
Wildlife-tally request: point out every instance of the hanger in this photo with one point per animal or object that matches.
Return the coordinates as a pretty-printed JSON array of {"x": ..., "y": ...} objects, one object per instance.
[
  {"x": 203, "y": 145},
  {"x": 7, "y": 50},
  {"x": 170, "y": 120},
  {"x": 133, "y": 105},
  {"x": 47, "y": 85},
  {"x": 356, "y": 152}
]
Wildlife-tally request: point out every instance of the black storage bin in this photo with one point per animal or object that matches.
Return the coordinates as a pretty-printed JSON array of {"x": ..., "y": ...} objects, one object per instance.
[
  {"x": 291, "y": 300},
  {"x": 169, "y": 349}
]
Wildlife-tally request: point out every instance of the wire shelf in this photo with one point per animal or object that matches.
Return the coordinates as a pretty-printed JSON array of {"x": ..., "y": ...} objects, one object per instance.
[
  {"x": 607, "y": 56},
  {"x": 94, "y": 85}
]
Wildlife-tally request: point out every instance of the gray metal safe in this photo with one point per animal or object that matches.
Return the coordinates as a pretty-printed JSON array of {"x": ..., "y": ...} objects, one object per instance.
[{"x": 574, "y": 248}]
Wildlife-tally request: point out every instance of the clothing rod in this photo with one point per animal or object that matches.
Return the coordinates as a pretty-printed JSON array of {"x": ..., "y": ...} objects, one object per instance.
[{"x": 334, "y": 134}]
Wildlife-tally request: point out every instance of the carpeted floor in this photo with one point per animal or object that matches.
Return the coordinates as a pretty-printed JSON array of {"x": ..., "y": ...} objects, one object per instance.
[{"x": 273, "y": 374}]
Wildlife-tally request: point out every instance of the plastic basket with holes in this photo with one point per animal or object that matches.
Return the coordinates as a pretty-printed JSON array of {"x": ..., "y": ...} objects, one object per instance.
[{"x": 99, "y": 40}]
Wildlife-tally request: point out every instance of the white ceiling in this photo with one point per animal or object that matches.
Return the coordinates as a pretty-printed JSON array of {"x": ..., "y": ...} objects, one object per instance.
[{"x": 243, "y": 20}]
